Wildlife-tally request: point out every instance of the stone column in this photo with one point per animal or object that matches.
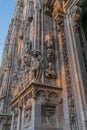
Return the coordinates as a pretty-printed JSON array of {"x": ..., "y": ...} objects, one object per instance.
[
  {"x": 76, "y": 11},
  {"x": 64, "y": 67},
  {"x": 19, "y": 119},
  {"x": 72, "y": 38},
  {"x": 12, "y": 123},
  {"x": 37, "y": 25},
  {"x": 23, "y": 114}
]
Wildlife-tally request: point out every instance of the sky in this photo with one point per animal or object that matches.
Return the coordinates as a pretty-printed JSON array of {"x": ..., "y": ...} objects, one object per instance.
[{"x": 6, "y": 13}]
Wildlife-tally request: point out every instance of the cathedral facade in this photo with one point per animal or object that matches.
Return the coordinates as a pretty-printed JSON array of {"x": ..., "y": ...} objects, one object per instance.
[{"x": 43, "y": 74}]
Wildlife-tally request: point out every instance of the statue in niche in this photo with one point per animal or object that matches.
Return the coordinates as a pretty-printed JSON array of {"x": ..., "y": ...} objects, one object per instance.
[
  {"x": 50, "y": 54},
  {"x": 36, "y": 64},
  {"x": 26, "y": 59},
  {"x": 50, "y": 73},
  {"x": 49, "y": 40}
]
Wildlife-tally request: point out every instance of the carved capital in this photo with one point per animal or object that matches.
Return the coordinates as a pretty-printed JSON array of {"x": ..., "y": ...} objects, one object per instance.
[
  {"x": 76, "y": 11},
  {"x": 58, "y": 8},
  {"x": 60, "y": 22}
]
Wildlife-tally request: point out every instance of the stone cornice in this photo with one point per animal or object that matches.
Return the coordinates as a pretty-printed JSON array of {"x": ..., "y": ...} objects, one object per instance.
[{"x": 32, "y": 86}]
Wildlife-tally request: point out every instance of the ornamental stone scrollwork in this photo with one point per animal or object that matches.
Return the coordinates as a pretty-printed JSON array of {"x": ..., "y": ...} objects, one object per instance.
[
  {"x": 76, "y": 11},
  {"x": 50, "y": 56}
]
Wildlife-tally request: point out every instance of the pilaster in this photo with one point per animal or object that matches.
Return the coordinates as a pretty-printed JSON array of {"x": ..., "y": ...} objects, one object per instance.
[{"x": 74, "y": 54}]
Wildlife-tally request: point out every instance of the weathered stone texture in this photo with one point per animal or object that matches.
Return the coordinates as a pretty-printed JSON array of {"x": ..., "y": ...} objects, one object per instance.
[{"x": 43, "y": 70}]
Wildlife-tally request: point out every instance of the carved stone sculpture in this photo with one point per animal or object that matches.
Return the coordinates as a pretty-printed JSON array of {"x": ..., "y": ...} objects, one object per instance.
[
  {"x": 50, "y": 73},
  {"x": 49, "y": 40},
  {"x": 36, "y": 64},
  {"x": 50, "y": 54}
]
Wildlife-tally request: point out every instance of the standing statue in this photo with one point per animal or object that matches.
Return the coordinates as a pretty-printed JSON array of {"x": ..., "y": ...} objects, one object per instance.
[
  {"x": 36, "y": 64},
  {"x": 26, "y": 53}
]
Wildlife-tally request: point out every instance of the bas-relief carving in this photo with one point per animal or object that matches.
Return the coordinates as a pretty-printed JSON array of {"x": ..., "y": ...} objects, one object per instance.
[
  {"x": 27, "y": 118},
  {"x": 48, "y": 116},
  {"x": 75, "y": 13}
]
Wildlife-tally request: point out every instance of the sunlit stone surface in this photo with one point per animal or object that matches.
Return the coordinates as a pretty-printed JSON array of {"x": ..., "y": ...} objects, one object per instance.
[{"x": 43, "y": 75}]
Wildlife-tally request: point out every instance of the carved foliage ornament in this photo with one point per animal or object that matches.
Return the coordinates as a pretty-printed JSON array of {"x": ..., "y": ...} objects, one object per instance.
[{"x": 76, "y": 11}]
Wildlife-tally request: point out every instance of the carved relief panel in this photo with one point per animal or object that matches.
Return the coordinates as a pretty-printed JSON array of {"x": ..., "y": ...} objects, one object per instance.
[
  {"x": 48, "y": 116},
  {"x": 27, "y": 118}
]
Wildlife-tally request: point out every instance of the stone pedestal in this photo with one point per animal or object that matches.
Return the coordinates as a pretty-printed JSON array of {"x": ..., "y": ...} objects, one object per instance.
[{"x": 40, "y": 109}]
